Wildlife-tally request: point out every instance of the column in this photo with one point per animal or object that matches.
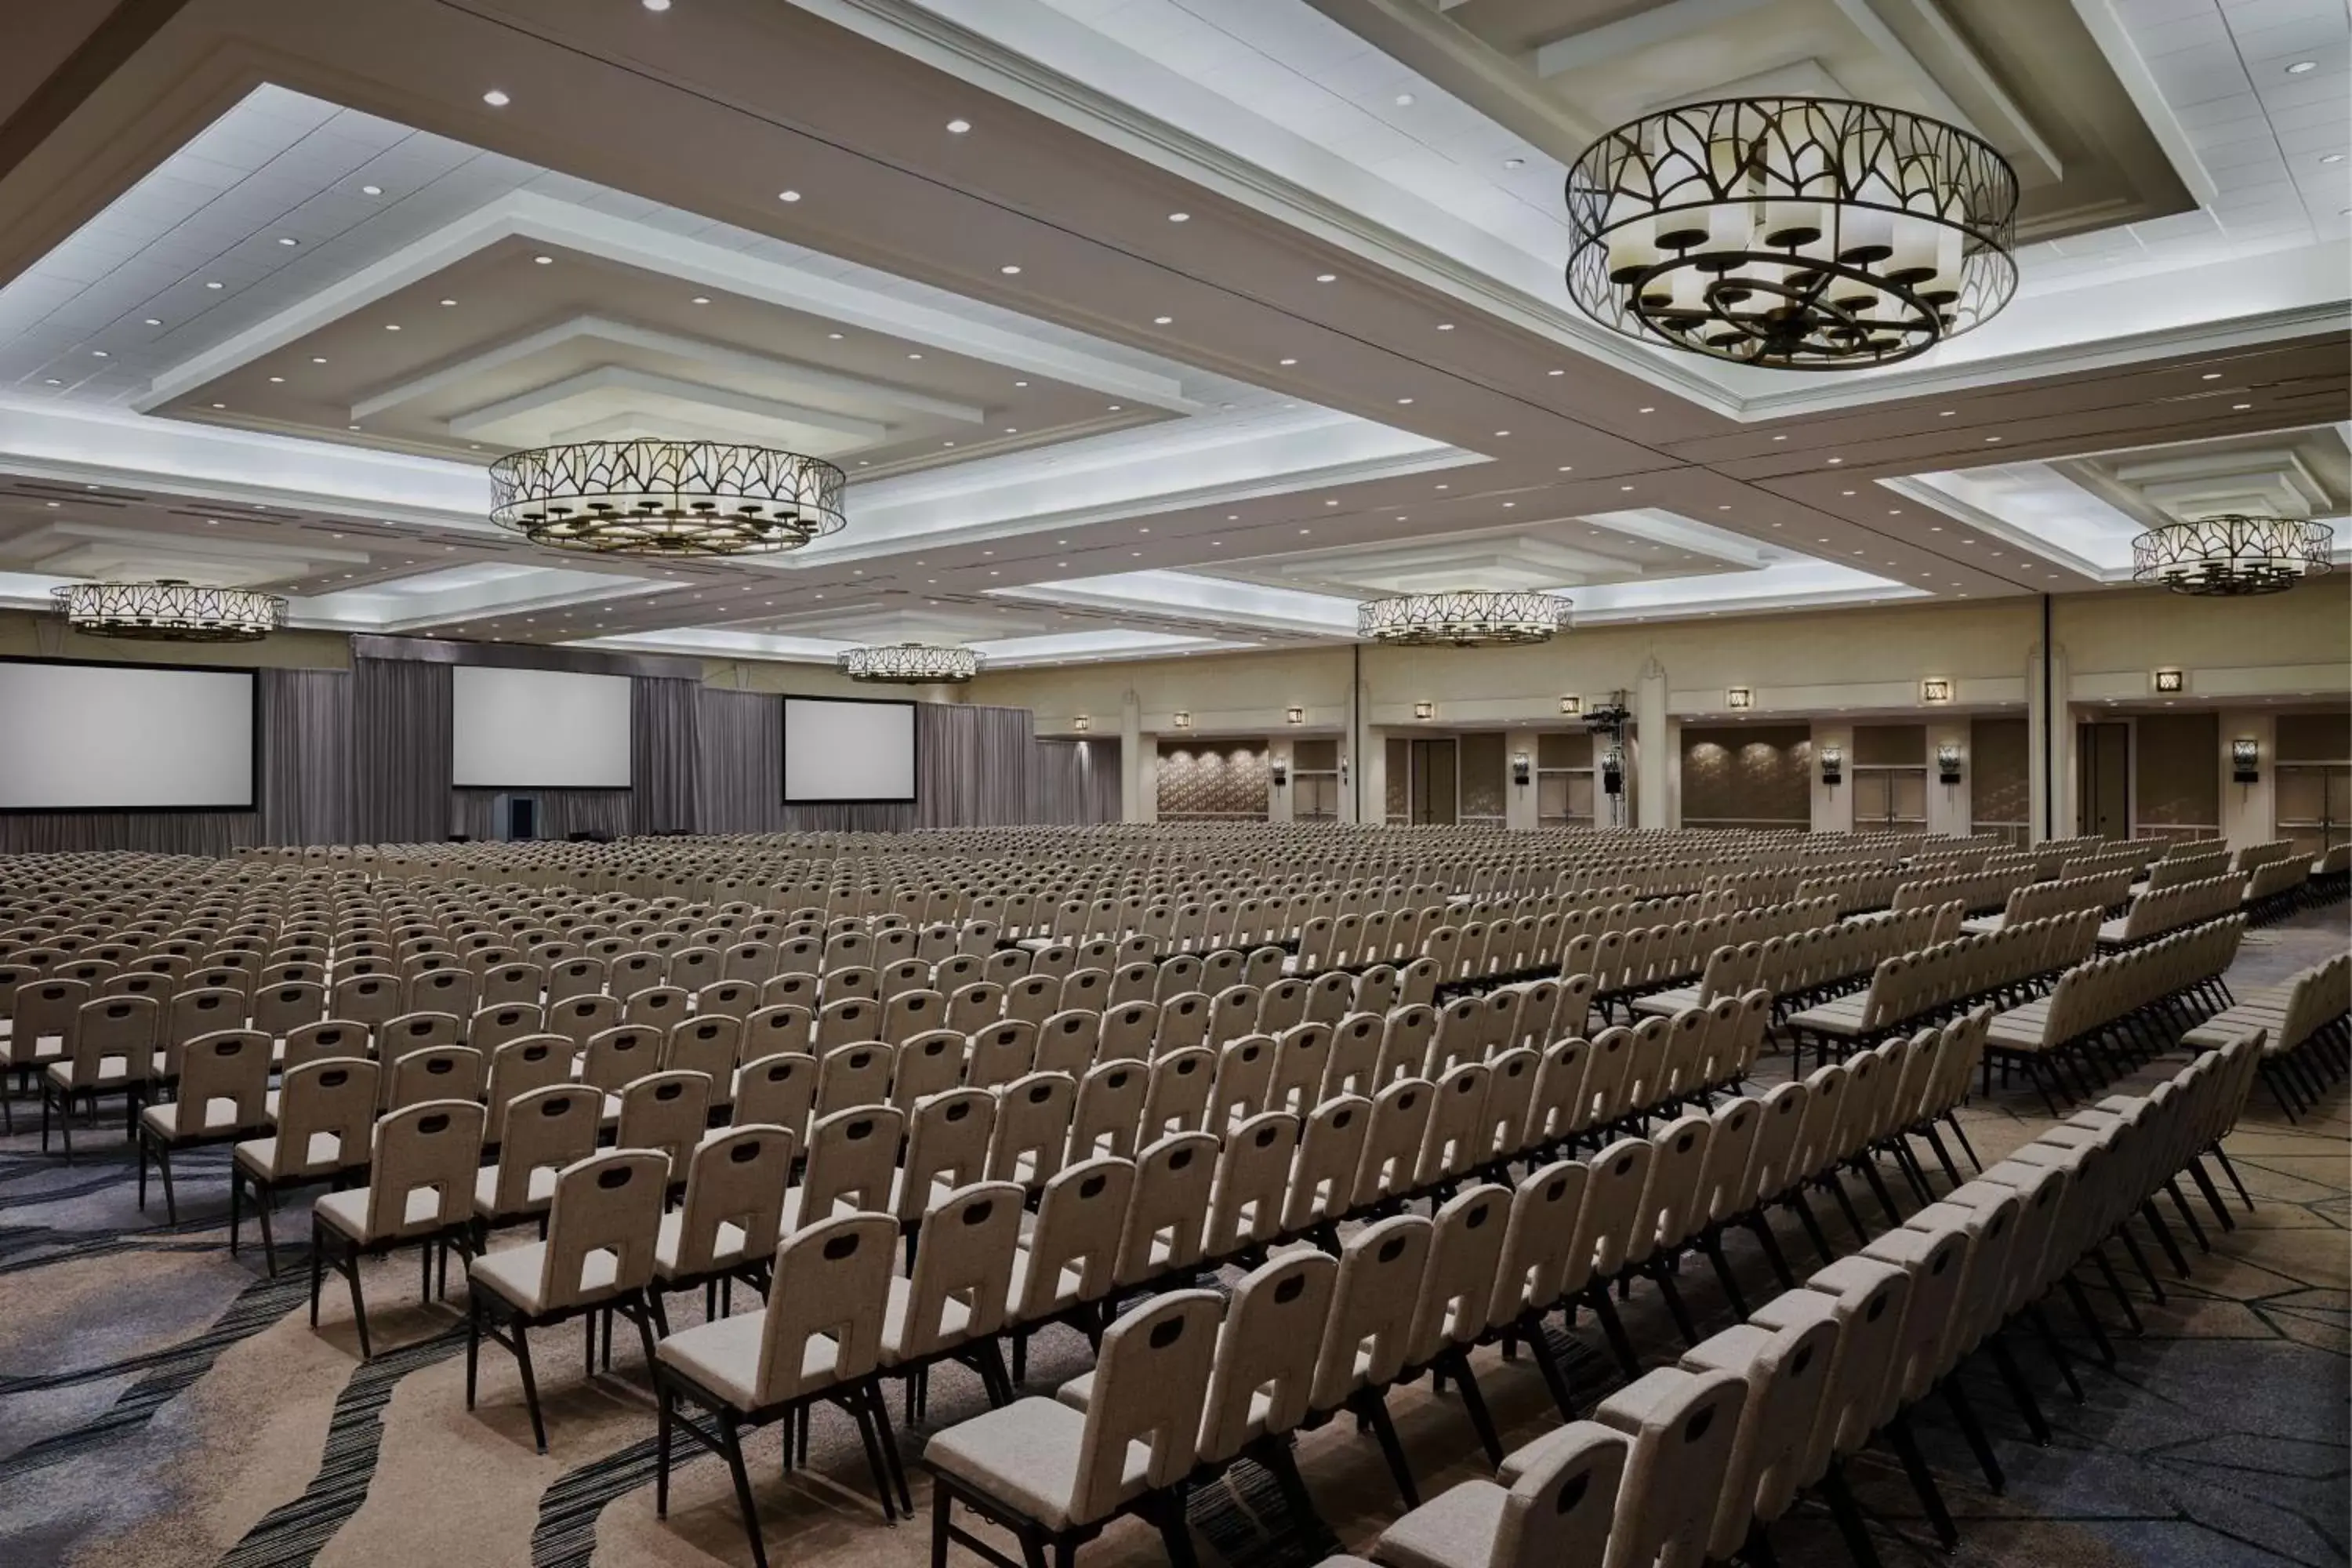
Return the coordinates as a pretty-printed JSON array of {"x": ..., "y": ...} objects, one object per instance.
[
  {"x": 1949, "y": 811},
  {"x": 1652, "y": 802},
  {"x": 1278, "y": 796},
  {"x": 1834, "y": 803},
  {"x": 1520, "y": 804},
  {"x": 2055, "y": 815},
  {"x": 1131, "y": 758},
  {"x": 2249, "y": 811}
]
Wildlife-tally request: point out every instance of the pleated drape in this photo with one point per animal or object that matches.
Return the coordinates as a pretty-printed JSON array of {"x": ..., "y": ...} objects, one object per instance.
[
  {"x": 306, "y": 757},
  {"x": 971, "y": 766},
  {"x": 1073, "y": 783},
  {"x": 400, "y": 750},
  {"x": 665, "y": 752}
]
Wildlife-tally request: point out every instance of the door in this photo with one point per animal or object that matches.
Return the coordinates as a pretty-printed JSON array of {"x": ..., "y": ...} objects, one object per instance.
[
  {"x": 1435, "y": 781},
  {"x": 2315, "y": 805},
  {"x": 2102, "y": 777},
  {"x": 1892, "y": 799}
]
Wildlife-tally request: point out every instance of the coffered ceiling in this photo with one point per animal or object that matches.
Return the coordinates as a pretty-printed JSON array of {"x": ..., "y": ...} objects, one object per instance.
[{"x": 1165, "y": 325}]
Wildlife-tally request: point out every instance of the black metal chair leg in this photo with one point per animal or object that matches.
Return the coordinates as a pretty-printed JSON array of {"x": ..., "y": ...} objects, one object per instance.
[
  {"x": 2232, "y": 1172},
  {"x": 1375, "y": 1412},
  {"x": 732, "y": 1444},
  {"x": 1964, "y": 1415},
  {"x": 1713, "y": 1246},
  {"x": 2059, "y": 1354},
  {"x": 2083, "y": 1310},
  {"x": 2020, "y": 1395},
  {"x": 1848, "y": 1515},
  {"x": 2188, "y": 1215},
  {"x": 530, "y": 1390},
  {"x": 1614, "y": 1330},
  {"x": 1952, "y": 1120},
  {"x": 1770, "y": 1244},
  {"x": 1813, "y": 1232},
  {"x": 2204, "y": 1180},
  {"x": 1555, "y": 1376},
  {"x": 1923, "y": 1481}
]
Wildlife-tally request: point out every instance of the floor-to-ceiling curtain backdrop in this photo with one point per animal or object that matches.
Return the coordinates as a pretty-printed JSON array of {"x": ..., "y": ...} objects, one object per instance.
[
  {"x": 971, "y": 766},
  {"x": 1073, "y": 783},
  {"x": 306, "y": 757},
  {"x": 400, "y": 750},
  {"x": 665, "y": 752}
]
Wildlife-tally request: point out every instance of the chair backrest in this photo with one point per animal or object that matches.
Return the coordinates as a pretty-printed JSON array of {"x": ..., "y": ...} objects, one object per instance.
[
  {"x": 778, "y": 1090},
  {"x": 602, "y": 1227},
  {"x": 734, "y": 1198},
  {"x": 833, "y": 1280},
  {"x": 852, "y": 1156},
  {"x": 1071, "y": 1254},
  {"x": 326, "y": 1111},
  {"x": 1371, "y": 1309},
  {"x": 1563, "y": 1499},
  {"x": 1682, "y": 1426},
  {"x": 1152, "y": 1380},
  {"x": 964, "y": 1262},
  {"x": 1174, "y": 1177},
  {"x": 1032, "y": 1128},
  {"x": 665, "y": 1111},
  {"x": 1265, "y": 1367},
  {"x": 544, "y": 1130},
  {"x": 224, "y": 1083},
  {"x": 435, "y": 1072},
  {"x": 433, "y": 1147},
  {"x": 1457, "y": 1287}
]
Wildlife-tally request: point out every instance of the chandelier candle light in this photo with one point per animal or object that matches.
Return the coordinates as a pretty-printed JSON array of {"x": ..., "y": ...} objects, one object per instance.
[
  {"x": 2233, "y": 554},
  {"x": 1467, "y": 618},
  {"x": 667, "y": 498},
  {"x": 1791, "y": 233},
  {"x": 168, "y": 611},
  {"x": 910, "y": 664}
]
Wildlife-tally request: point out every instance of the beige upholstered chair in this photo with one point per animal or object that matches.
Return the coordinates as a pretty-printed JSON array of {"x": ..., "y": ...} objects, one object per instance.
[{"x": 420, "y": 1193}]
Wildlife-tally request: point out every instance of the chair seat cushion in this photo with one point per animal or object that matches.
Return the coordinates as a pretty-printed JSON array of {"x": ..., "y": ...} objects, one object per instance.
[
  {"x": 726, "y": 1247},
  {"x": 1454, "y": 1530},
  {"x": 214, "y": 1118},
  {"x": 512, "y": 1274},
  {"x": 1026, "y": 1457},
  {"x": 114, "y": 1072},
  {"x": 723, "y": 1356},
  {"x": 538, "y": 1194},
  {"x": 347, "y": 1211}
]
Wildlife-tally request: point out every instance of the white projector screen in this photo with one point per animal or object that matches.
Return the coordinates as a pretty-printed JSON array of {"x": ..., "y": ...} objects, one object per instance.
[
  {"x": 538, "y": 729},
  {"x": 118, "y": 737},
  {"x": 848, "y": 750}
]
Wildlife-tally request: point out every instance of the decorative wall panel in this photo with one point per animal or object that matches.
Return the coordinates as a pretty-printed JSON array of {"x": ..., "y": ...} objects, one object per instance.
[
  {"x": 1210, "y": 781},
  {"x": 1746, "y": 776}
]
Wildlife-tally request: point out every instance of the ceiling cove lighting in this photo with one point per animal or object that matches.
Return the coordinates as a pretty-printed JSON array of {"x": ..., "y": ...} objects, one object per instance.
[
  {"x": 1465, "y": 619},
  {"x": 2233, "y": 554},
  {"x": 1791, "y": 233},
  {"x": 667, "y": 498},
  {"x": 909, "y": 664},
  {"x": 168, "y": 611}
]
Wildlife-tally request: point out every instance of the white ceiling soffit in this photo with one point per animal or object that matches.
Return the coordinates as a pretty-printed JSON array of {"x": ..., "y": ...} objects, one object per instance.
[
  {"x": 1375, "y": 159},
  {"x": 1004, "y": 653}
]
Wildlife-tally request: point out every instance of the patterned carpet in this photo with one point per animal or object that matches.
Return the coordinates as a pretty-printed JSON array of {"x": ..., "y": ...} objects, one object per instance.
[{"x": 161, "y": 1403}]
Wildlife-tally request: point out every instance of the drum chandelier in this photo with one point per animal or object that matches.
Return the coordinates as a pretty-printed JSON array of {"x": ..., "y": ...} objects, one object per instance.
[
  {"x": 1465, "y": 619},
  {"x": 910, "y": 664},
  {"x": 667, "y": 498},
  {"x": 168, "y": 611},
  {"x": 1791, "y": 233},
  {"x": 2233, "y": 554}
]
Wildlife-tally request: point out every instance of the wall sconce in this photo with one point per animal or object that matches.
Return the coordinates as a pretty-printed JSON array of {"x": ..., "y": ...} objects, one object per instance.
[
  {"x": 2170, "y": 680},
  {"x": 1738, "y": 698},
  {"x": 1935, "y": 691},
  {"x": 1281, "y": 770},
  {"x": 1081, "y": 723},
  {"x": 1571, "y": 706},
  {"x": 1832, "y": 766},
  {"x": 1948, "y": 761},
  {"x": 1182, "y": 721},
  {"x": 1343, "y": 773},
  {"x": 1294, "y": 715},
  {"x": 1424, "y": 710},
  {"x": 1613, "y": 772},
  {"x": 2245, "y": 757},
  {"x": 1523, "y": 767}
]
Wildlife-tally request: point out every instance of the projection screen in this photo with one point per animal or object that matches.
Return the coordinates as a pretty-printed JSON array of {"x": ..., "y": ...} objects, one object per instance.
[
  {"x": 538, "y": 729},
  {"x": 838, "y": 750},
  {"x": 123, "y": 737}
]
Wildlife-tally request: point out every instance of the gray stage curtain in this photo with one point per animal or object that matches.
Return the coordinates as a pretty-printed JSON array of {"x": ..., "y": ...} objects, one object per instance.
[
  {"x": 1072, "y": 784},
  {"x": 306, "y": 757},
  {"x": 738, "y": 780},
  {"x": 400, "y": 752},
  {"x": 665, "y": 752},
  {"x": 971, "y": 766},
  {"x": 561, "y": 812},
  {"x": 166, "y": 831}
]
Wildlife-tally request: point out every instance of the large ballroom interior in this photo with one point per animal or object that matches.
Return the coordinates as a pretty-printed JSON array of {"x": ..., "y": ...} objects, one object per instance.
[{"x": 1425, "y": 784}]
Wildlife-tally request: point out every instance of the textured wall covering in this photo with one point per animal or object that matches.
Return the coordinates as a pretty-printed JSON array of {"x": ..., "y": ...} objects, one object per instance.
[
  {"x": 1482, "y": 778},
  {"x": 2000, "y": 790},
  {"x": 2180, "y": 770},
  {"x": 1221, "y": 780},
  {"x": 1740, "y": 775}
]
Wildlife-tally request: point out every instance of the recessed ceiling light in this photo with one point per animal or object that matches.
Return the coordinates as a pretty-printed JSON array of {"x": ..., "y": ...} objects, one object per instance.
[
  {"x": 1624, "y": 487},
  {"x": 1013, "y": 430},
  {"x": 701, "y": 300},
  {"x": 1555, "y": 373},
  {"x": 1779, "y": 438},
  {"x": 2239, "y": 408},
  {"x": 97, "y": 353},
  {"x": 657, "y": 4},
  {"x": 914, "y": 356},
  {"x": 1515, "y": 162},
  {"x": 1653, "y": 411},
  {"x": 1837, "y": 460},
  {"x": 1992, "y": 440},
  {"x": 1845, "y": 492},
  {"x": 1404, "y": 400},
  {"x": 1010, "y": 269},
  {"x": 154, "y": 320},
  {"x": 370, "y": 190},
  {"x": 1117, "y": 407},
  {"x": 788, "y": 196},
  {"x": 1331, "y": 503},
  {"x": 1509, "y": 504},
  {"x": 958, "y": 127},
  {"x": 1287, "y": 362},
  {"x": 496, "y": 99},
  {"x": 1444, "y": 326},
  {"x": 1306, "y": 530},
  {"x": 214, "y": 284},
  {"x": 277, "y": 380},
  {"x": 544, "y": 261},
  {"x": 1500, "y": 434},
  {"x": 317, "y": 359},
  {"x": 350, "y": 426},
  {"x": 2331, "y": 157},
  {"x": 1404, "y": 101},
  {"x": 1162, "y": 320},
  {"x": 1327, "y": 278},
  {"x": 1020, "y": 384},
  {"x": 2301, "y": 67},
  {"x": 392, "y": 326},
  {"x": 1180, "y": 217}
]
